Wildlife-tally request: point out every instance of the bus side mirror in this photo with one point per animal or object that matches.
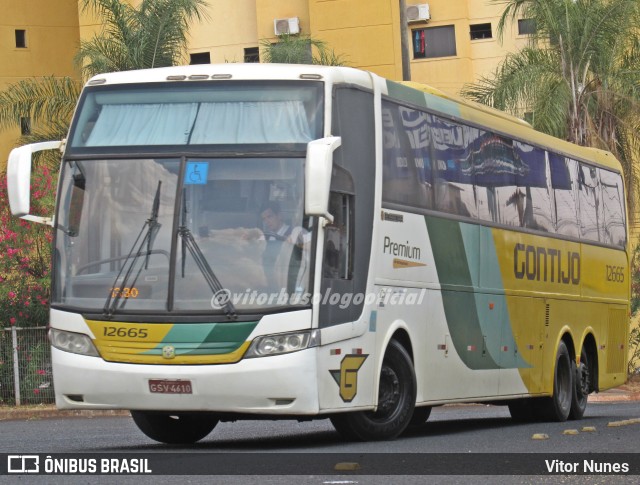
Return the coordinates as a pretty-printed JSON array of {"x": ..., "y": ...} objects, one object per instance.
[
  {"x": 19, "y": 179},
  {"x": 317, "y": 176}
]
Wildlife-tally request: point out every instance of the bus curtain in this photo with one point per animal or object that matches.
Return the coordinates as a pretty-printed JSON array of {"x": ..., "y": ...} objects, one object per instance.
[{"x": 200, "y": 123}]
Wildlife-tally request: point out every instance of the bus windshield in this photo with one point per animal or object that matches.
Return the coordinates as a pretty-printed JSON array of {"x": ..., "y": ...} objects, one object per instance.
[
  {"x": 197, "y": 113},
  {"x": 182, "y": 234}
]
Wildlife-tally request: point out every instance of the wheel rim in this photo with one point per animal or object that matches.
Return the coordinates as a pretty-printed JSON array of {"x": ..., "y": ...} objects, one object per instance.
[
  {"x": 390, "y": 395},
  {"x": 584, "y": 378}
]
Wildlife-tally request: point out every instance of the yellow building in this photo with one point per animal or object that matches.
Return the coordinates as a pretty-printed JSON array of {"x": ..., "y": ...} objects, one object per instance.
[
  {"x": 450, "y": 42},
  {"x": 39, "y": 38}
]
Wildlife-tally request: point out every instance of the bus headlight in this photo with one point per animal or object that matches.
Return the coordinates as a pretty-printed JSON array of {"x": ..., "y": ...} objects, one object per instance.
[
  {"x": 283, "y": 343},
  {"x": 76, "y": 343}
]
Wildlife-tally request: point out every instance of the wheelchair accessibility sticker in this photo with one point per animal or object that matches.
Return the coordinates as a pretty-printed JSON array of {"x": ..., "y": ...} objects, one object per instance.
[{"x": 196, "y": 173}]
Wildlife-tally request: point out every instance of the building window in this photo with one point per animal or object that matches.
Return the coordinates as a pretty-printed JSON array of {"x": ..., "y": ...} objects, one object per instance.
[
  {"x": 434, "y": 42},
  {"x": 25, "y": 125},
  {"x": 200, "y": 58},
  {"x": 21, "y": 38},
  {"x": 251, "y": 54},
  {"x": 526, "y": 26},
  {"x": 480, "y": 31}
]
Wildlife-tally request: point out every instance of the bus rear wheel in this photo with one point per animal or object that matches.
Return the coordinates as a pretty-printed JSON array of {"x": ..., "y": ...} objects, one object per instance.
[
  {"x": 174, "y": 428},
  {"x": 582, "y": 385},
  {"x": 558, "y": 406},
  {"x": 396, "y": 401}
]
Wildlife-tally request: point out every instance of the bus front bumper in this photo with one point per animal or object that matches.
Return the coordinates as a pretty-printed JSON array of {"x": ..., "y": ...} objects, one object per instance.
[{"x": 278, "y": 385}]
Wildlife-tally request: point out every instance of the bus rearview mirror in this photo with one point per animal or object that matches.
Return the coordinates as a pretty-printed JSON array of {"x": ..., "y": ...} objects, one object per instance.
[
  {"x": 317, "y": 176},
  {"x": 19, "y": 179}
]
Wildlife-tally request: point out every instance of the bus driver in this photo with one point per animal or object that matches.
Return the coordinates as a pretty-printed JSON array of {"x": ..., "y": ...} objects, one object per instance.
[{"x": 285, "y": 254}]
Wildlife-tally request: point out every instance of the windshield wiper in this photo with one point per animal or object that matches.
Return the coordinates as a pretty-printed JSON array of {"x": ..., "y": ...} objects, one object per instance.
[
  {"x": 153, "y": 224},
  {"x": 190, "y": 244},
  {"x": 146, "y": 237}
]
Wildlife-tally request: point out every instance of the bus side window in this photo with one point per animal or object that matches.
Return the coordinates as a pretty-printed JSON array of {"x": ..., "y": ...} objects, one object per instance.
[
  {"x": 337, "y": 239},
  {"x": 338, "y": 245},
  {"x": 406, "y": 156},
  {"x": 453, "y": 167},
  {"x": 77, "y": 201},
  {"x": 495, "y": 175},
  {"x": 589, "y": 203},
  {"x": 613, "y": 208},
  {"x": 564, "y": 183},
  {"x": 532, "y": 178}
]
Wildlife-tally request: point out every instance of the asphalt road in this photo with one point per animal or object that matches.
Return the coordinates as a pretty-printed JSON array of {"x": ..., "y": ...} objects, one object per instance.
[
  {"x": 450, "y": 429},
  {"x": 459, "y": 430}
]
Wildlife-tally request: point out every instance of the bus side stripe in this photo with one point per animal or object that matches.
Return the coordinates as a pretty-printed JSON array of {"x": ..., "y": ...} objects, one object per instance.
[{"x": 459, "y": 303}]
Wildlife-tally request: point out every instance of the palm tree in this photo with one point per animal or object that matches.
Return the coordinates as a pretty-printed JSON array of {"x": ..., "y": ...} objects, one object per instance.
[
  {"x": 150, "y": 35},
  {"x": 48, "y": 102},
  {"x": 579, "y": 75},
  {"x": 299, "y": 49}
]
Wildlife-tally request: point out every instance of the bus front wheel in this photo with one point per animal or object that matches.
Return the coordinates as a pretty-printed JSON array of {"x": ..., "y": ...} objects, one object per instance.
[
  {"x": 174, "y": 428},
  {"x": 396, "y": 401},
  {"x": 420, "y": 416}
]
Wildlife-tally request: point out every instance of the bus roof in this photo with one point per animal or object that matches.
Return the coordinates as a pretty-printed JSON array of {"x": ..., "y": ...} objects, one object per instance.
[
  {"x": 238, "y": 71},
  {"x": 415, "y": 93},
  {"x": 456, "y": 99}
]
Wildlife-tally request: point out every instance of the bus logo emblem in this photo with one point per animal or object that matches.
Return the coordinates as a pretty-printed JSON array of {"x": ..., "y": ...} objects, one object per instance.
[
  {"x": 347, "y": 376},
  {"x": 168, "y": 352}
]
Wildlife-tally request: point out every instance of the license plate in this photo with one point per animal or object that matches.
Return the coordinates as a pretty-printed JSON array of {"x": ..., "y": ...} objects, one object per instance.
[{"x": 166, "y": 386}]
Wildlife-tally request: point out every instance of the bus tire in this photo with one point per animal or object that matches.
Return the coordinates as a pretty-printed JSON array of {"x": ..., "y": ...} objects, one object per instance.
[
  {"x": 396, "y": 401},
  {"x": 558, "y": 406},
  {"x": 522, "y": 410},
  {"x": 420, "y": 416},
  {"x": 174, "y": 428},
  {"x": 582, "y": 385}
]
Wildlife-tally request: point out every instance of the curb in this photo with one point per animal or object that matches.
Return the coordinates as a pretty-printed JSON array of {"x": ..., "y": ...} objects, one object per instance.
[
  {"x": 50, "y": 412},
  {"x": 614, "y": 396}
]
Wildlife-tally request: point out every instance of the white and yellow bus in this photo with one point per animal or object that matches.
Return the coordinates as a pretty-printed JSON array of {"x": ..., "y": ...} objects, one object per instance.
[{"x": 244, "y": 241}]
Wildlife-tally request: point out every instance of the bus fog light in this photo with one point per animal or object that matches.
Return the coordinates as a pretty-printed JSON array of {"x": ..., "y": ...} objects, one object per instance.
[
  {"x": 76, "y": 343},
  {"x": 283, "y": 343}
]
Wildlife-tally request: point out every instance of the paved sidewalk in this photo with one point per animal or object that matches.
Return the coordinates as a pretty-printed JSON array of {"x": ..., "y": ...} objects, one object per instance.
[
  {"x": 615, "y": 395},
  {"x": 629, "y": 391}
]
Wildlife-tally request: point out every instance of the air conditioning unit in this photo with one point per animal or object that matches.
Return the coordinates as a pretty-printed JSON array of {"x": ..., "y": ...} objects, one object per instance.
[
  {"x": 286, "y": 26},
  {"x": 418, "y": 13}
]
